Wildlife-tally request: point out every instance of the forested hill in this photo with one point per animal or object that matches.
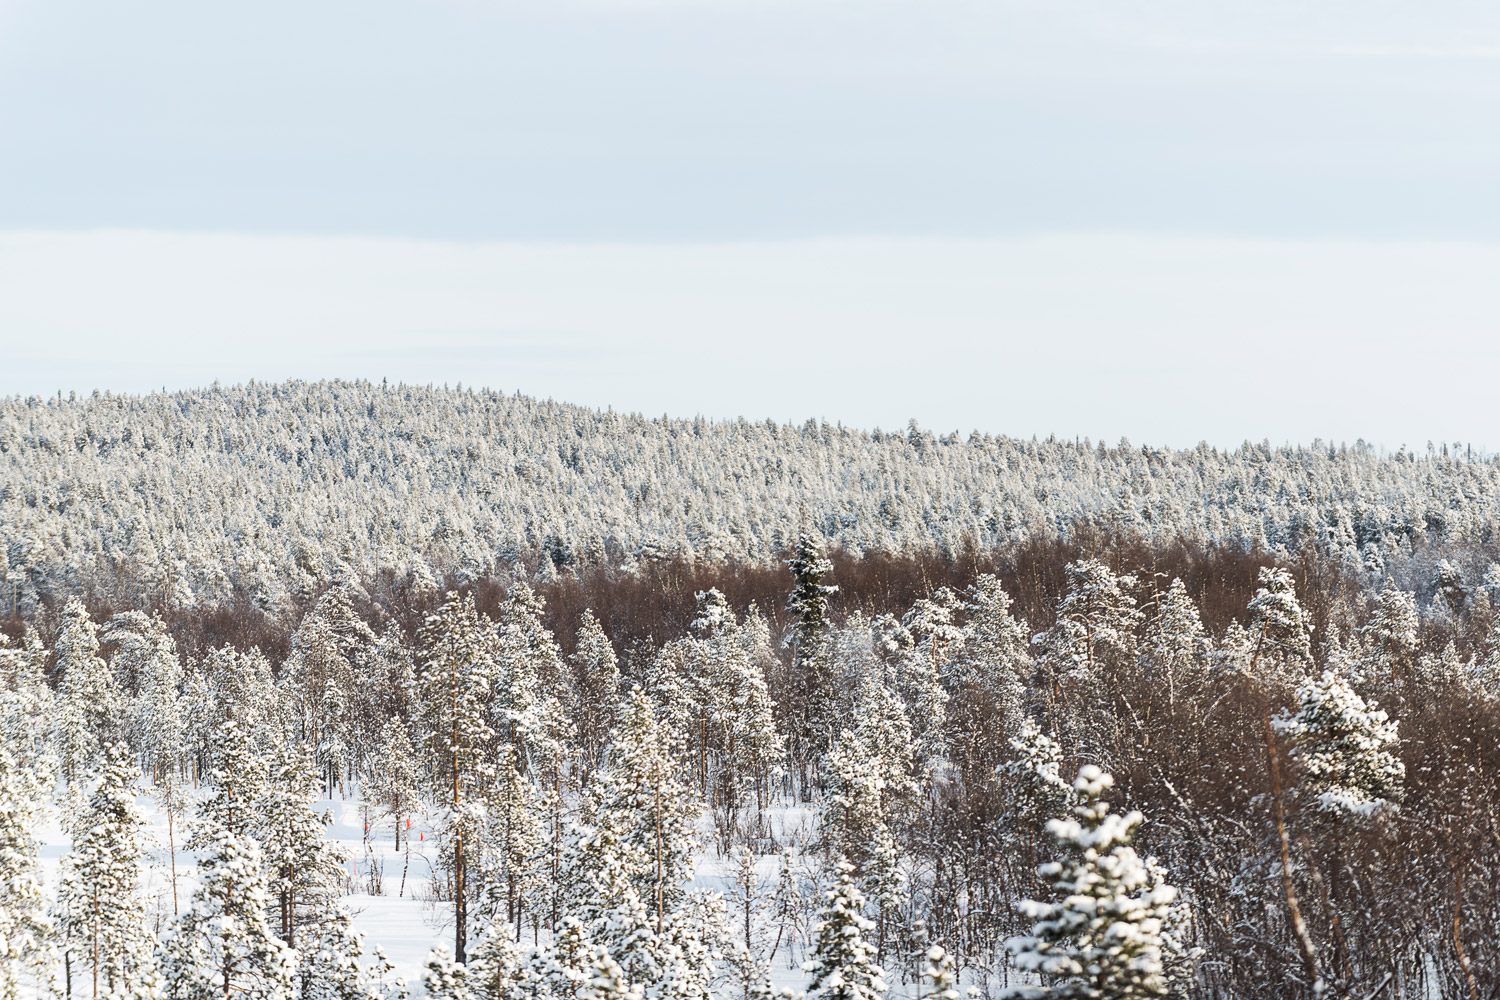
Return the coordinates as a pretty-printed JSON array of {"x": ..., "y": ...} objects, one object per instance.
[{"x": 272, "y": 489}]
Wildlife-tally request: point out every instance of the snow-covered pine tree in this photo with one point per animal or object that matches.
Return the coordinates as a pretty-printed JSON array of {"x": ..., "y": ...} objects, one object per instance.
[
  {"x": 87, "y": 693},
  {"x": 331, "y": 646},
  {"x": 996, "y": 645},
  {"x": 1277, "y": 622},
  {"x": 1096, "y": 625},
  {"x": 1391, "y": 634},
  {"x": 394, "y": 774},
  {"x": 939, "y": 974},
  {"x": 530, "y": 667},
  {"x": 882, "y": 725},
  {"x": 100, "y": 917},
  {"x": 305, "y": 869},
  {"x": 1346, "y": 748},
  {"x": 1176, "y": 647},
  {"x": 1448, "y": 587},
  {"x": 495, "y": 970},
  {"x": 807, "y": 606},
  {"x": 936, "y": 641},
  {"x": 457, "y": 684},
  {"x": 512, "y": 840},
  {"x": 842, "y": 966},
  {"x": 1102, "y": 936},
  {"x": 388, "y": 688},
  {"x": 596, "y": 687},
  {"x": 445, "y": 979},
  {"x": 654, "y": 810},
  {"x": 558, "y": 971},
  {"x": 328, "y": 960},
  {"x": 853, "y": 819},
  {"x": 747, "y": 904},
  {"x": 1039, "y": 790},
  {"x": 27, "y": 707},
  {"x": 237, "y": 773},
  {"x": 812, "y": 686},
  {"x": 222, "y": 945},
  {"x": 691, "y": 944},
  {"x": 26, "y": 929}
]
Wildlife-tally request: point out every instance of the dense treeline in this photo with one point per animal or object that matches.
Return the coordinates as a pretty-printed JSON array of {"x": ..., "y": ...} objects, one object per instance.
[
  {"x": 272, "y": 490},
  {"x": 1315, "y": 752}
]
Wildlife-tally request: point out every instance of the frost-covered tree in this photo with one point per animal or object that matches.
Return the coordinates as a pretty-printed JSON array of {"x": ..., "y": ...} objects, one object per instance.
[
  {"x": 1277, "y": 622},
  {"x": 26, "y": 929},
  {"x": 1096, "y": 624},
  {"x": 807, "y": 605},
  {"x": 1102, "y": 936},
  {"x": 331, "y": 647},
  {"x": 394, "y": 774},
  {"x": 222, "y": 945},
  {"x": 146, "y": 665},
  {"x": 842, "y": 966},
  {"x": 457, "y": 683},
  {"x": 329, "y": 965},
  {"x": 530, "y": 668},
  {"x": 1037, "y": 784},
  {"x": 445, "y": 979},
  {"x": 596, "y": 686},
  {"x": 643, "y": 802},
  {"x": 305, "y": 869},
  {"x": 940, "y": 978},
  {"x": 1448, "y": 587},
  {"x": 852, "y": 810},
  {"x": 883, "y": 729},
  {"x": 1392, "y": 632},
  {"x": 1176, "y": 645},
  {"x": 1346, "y": 748},
  {"x": 995, "y": 649},
  {"x": 87, "y": 693},
  {"x": 511, "y": 843},
  {"x": 237, "y": 775},
  {"x": 936, "y": 639},
  {"x": 27, "y": 707},
  {"x": 496, "y": 972},
  {"x": 100, "y": 917}
]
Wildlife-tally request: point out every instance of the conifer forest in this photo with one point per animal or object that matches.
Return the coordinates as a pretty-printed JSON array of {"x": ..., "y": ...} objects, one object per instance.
[{"x": 354, "y": 691}]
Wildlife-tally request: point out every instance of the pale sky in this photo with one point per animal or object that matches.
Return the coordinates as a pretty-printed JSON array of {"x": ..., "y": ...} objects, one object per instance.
[{"x": 1170, "y": 221}]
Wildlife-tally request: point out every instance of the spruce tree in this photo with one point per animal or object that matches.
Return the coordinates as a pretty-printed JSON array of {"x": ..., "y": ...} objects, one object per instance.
[
  {"x": 807, "y": 605},
  {"x": 1277, "y": 622},
  {"x": 1102, "y": 936},
  {"x": 843, "y": 966},
  {"x": 1346, "y": 748}
]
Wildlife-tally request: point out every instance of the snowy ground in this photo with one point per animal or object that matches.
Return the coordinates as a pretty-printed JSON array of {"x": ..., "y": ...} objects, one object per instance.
[{"x": 399, "y": 919}]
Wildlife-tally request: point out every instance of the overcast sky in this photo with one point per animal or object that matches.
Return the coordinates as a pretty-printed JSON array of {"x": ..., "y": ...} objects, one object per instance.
[{"x": 1166, "y": 220}]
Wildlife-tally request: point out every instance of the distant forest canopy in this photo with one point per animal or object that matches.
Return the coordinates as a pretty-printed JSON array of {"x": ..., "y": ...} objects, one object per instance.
[{"x": 266, "y": 493}]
